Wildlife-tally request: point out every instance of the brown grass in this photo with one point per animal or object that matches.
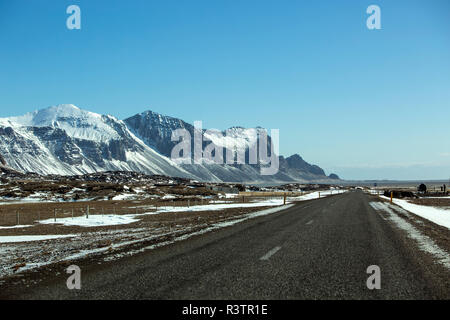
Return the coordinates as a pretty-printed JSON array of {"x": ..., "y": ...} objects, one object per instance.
[
  {"x": 31, "y": 213},
  {"x": 435, "y": 202}
]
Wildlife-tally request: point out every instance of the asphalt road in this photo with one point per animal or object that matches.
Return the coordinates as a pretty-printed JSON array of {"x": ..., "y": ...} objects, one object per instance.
[{"x": 317, "y": 249}]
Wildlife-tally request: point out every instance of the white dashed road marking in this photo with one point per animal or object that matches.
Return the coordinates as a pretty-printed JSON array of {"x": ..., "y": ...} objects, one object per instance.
[{"x": 270, "y": 253}]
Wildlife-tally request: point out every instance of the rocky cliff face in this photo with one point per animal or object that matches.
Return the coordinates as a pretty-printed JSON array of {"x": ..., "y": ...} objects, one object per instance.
[
  {"x": 2, "y": 161},
  {"x": 156, "y": 129}
]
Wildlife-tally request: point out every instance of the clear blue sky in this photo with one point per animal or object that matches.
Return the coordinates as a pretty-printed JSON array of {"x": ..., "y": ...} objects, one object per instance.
[{"x": 365, "y": 104}]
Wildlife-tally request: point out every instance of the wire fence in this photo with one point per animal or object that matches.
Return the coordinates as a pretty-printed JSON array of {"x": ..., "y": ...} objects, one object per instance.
[{"x": 33, "y": 213}]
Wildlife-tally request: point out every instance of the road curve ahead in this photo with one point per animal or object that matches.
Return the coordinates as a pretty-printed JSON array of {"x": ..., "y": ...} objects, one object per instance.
[{"x": 318, "y": 249}]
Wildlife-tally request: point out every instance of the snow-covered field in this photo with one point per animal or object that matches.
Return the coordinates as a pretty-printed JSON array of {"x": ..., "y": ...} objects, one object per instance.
[
  {"x": 94, "y": 220},
  {"x": 437, "y": 215}
]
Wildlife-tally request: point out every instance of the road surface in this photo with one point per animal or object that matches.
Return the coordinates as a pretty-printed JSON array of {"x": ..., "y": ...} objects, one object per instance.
[{"x": 318, "y": 249}]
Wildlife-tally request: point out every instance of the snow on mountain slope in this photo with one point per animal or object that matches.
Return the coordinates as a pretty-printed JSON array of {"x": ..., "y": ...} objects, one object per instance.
[
  {"x": 67, "y": 140},
  {"x": 156, "y": 129},
  {"x": 241, "y": 138},
  {"x": 75, "y": 122}
]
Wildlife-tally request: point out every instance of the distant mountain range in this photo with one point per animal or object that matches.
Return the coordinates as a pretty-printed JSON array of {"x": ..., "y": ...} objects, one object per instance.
[{"x": 67, "y": 140}]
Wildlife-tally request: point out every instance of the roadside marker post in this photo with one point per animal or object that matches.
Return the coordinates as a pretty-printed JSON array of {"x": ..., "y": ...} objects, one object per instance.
[
  {"x": 392, "y": 195},
  {"x": 54, "y": 214},
  {"x": 17, "y": 217},
  {"x": 87, "y": 212}
]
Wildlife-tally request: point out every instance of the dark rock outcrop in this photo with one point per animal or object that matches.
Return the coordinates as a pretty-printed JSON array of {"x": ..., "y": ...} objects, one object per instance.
[{"x": 334, "y": 176}]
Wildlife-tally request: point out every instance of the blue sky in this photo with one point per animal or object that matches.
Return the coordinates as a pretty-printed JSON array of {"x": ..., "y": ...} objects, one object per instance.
[{"x": 366, "y": 104}]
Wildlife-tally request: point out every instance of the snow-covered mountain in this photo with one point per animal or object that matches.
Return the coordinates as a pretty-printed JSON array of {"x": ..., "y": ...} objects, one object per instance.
[
  {"x": 156, "y": 129},
  {"x": 67, "y": 140}
]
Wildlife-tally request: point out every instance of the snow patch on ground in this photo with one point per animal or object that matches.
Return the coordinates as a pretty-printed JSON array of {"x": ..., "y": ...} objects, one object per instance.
[
  {"x": 437, "y": 215},
  {"x": 18, "y": 226},
  {"x": 12, "y": 239},
  {"x": 425, "y": 243},
  {"x": 93, "y": 220},
  {"x": 125, "y": 196}
]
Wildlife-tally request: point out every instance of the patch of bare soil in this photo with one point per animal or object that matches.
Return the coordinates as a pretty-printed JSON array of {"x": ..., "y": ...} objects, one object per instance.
[
  {"x": 31, "y": 213},
  {"x": 434, "y": 202}
]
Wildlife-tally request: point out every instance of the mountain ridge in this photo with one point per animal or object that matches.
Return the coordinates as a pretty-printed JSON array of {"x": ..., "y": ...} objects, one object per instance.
[{"x": 65, "y": 139}]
